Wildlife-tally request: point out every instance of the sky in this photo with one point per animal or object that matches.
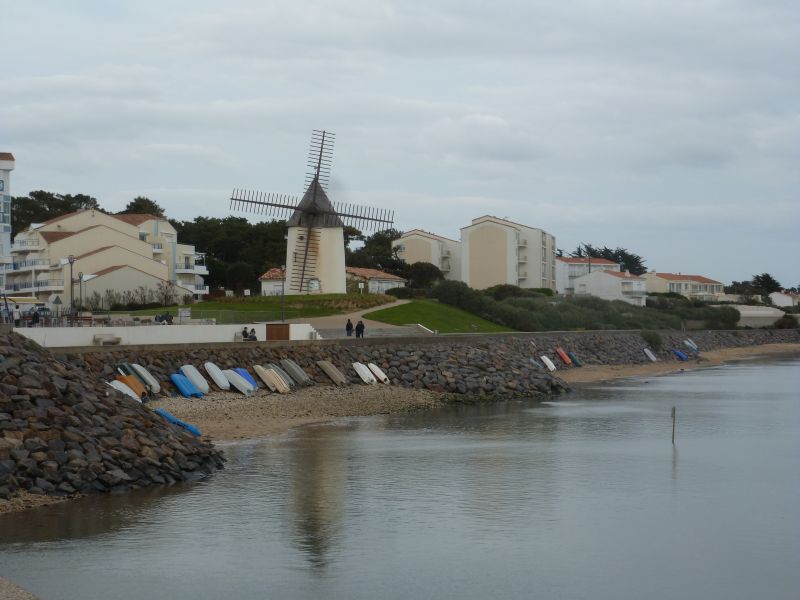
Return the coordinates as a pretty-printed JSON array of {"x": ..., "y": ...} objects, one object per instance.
[{"x": 670, "y": 128}]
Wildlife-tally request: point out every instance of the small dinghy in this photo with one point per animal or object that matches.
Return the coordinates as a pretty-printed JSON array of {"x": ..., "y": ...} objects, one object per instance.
[
  {"x": 575, "y": 360},
  {"x": 185, "y": 387},
  {"x": 127, "y": 369},
  {"x": 266, "y": 377},
  {"x": 378, "y": 373},
  {"x": 238, "y": 382},
  {"x": 365, "y": 374},
  {"x": 134, "y": 384},
  {"x": 548, "y": 363},
  {"x": 144, "y": 374},
  {"x": 275, "y": 381},
  {"x": 217, "y": 376},
  {"x": 170, "y": 418},
  {"x": 245, "y": 374},
  {"x": 336, "y": 376},
  {"x": 296, "y": 372},
  {"x": 563, "y": 356},
  {"x": 121, "y": 387},
  {"x": 680, "y": 355},
  {"x": 649, "y": 354},
  {"x": 284, "y": 375},
  {"x": 192, "y": 374}
]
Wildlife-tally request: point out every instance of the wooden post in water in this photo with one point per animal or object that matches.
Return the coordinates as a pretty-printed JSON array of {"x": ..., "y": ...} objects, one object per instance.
[{"x": 673, "y": 425}]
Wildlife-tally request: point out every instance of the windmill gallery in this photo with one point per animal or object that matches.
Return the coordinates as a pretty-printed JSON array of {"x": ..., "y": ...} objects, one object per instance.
[{"x": 315, "y": 240}]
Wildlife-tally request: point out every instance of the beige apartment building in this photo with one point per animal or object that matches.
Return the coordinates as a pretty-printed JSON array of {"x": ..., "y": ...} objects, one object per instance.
[
  {"x": 695, "y": 287},
  {"x": 422, "y": 246},
  {"x": 100, "y": 252},
  {"x": 568, "y": 268},
  {"x": 497, "y": 251}
]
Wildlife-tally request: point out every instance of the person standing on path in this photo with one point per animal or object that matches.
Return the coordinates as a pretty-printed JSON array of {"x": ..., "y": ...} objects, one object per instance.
[
  {"x": 360, "y": 329},
  {"x": 16, "y": 315},
  {"x": 349, "y": 328}
]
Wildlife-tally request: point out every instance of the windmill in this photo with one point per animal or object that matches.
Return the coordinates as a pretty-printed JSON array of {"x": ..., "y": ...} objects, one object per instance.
[{"x": 315, "y": 240}]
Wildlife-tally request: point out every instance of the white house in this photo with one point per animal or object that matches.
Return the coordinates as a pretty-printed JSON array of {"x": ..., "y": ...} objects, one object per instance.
[
  {"x": 568, "y": 268},
  {"x": 612, "y": 285},
  {"x": 272, "y": 282},
  {"x": 785, "y": 298},
  {"x": 376, "y": 282}
]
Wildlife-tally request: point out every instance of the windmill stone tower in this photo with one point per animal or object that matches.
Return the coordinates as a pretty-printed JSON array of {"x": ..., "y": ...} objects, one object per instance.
[{"x": 315, "y": 240}]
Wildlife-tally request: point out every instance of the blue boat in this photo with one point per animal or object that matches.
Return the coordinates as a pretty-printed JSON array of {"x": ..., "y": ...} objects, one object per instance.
[
  {"x": 176, "y": 421},
  {"x": 246, "y": 374},
  {"x": 574, "y": 359},
  {"x": 185, "y": 387},
  {"x": 680, "y": 355}
]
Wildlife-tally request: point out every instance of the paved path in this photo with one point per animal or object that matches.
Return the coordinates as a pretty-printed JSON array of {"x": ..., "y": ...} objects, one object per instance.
[{"x": 333, "y": 323}]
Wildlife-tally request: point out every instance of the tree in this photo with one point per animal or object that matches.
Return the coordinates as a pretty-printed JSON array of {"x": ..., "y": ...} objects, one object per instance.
[
  {"x": 40, "y": 206},
  {"x": 423, "y": 275},
  {"x": 766, "y": 284},
  {"x": 377, "y": 253},
  {"x": 240, "y": 275},
  {"x": 143, "y": 206},
  {"x": 166, "y": 293},
  {"x": 629, "y": 261}
]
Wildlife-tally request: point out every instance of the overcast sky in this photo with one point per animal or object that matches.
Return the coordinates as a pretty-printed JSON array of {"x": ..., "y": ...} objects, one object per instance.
[{"x": 670, "y": 128}]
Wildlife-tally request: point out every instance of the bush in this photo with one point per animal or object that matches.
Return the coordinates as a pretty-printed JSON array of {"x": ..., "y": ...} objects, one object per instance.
[
  {"x": 653, "y": 338},
  {"x": 544, "y": 291},
  {"x": 786, "y": 322},
  {"x": 402, "y": 293}
]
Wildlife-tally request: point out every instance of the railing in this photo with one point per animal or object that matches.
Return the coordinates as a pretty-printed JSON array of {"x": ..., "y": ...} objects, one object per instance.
[
  {"x": 522, "y": 258},
  {"x": 25, "y": 245},
  {"x": 46, "y": 283},
  {"x": 31, "y": 262},
  {"x": 158, "y": 247},
  {"x": 522, "y": 242}
]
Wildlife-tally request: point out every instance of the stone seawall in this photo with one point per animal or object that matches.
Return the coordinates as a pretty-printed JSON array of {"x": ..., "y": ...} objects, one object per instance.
[
  {"x": 62, "y": 430},
  {"x": 471, "y": 364}
]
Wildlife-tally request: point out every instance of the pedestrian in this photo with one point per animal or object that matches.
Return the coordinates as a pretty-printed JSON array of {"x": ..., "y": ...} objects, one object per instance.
[
  {"x": 251, "y": 337},
  {"x": 35, "y": 317},
  {"x": 16, "y": 315},
  {"x": 245, "y": 333},
  {"x": 360, "y": 329},
  {"x": 349, "y": 328}
]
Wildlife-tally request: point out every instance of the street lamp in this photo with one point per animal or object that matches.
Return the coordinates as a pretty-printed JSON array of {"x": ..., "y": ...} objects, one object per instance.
[
  {"x": 80, "y": 289},
  {"x": 283, "y": 291},
  {"x": 71, "y": 260}
]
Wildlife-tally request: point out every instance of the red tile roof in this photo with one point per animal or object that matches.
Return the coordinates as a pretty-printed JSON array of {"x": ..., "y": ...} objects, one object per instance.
[
  {"x": 371, "y": 274},
  {"x": 135, "y": 219},
  {"x": 680, "y": 277},
  {"x": 582, "y": 261},
  {"x": 272, "y": 274}
]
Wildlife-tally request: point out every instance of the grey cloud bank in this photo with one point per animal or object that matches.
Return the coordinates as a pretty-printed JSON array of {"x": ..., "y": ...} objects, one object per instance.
[{"x": 672, "y": 129}]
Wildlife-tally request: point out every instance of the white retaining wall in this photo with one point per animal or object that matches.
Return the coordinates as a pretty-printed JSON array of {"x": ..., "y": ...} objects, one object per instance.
[{"x": 60, "y": 337}]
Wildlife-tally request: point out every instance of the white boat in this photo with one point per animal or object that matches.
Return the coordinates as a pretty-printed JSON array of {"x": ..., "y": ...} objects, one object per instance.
[
  {"x": 287, "y": 379},
  {"x": 152, "y": 382},
  {"x": 217, "y": 376},
  {"x": 193, "y": 375},
  {"x": 238, "y": 382},
  {"x": 121, "y": 387},
  {"x": 265, "y": 377},
  {"x": 649, "y": 354},
  {"x": 378, "y": 373},
  {"x": 548, "y": 363},
  {"x": 365, "y": 374},
  {"x": 278, "y": 381}
]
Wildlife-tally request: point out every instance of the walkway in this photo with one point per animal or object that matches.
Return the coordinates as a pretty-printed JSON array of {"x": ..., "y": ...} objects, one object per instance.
[{"x": 332, "y": 326}]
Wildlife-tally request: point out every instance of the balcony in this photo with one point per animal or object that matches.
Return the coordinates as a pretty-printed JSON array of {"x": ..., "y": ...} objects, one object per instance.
[
  {"x": 158, "y": 248},
  {"x": 445, "y": 267},
  {"x": 445, "y": 253},
  {"x": 46, "y": 285},
  {"x": 522, "y": 258},
  {"x": 199, "y": 289},
  {"x": 523, "y": 243},
  {"x": 28, "y": 265},
  {"x": 522, "y": 275},
  {"x": 25, "y": 245},
  {"x": 191, "y": 269}
]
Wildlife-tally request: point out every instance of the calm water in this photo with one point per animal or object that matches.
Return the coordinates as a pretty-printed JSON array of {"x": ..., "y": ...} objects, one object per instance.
[{"x": 581, "y": 498}]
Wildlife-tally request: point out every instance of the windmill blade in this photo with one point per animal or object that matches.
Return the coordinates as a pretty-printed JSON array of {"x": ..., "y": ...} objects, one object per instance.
[
  {"x": 320, "y": 157},
  {"x": 260, "y": 203}
]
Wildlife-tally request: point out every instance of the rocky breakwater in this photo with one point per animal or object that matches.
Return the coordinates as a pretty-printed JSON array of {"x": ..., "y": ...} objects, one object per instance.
[
  {"x": 472, "y": 367},
  {"x": 64, "y": 431}
]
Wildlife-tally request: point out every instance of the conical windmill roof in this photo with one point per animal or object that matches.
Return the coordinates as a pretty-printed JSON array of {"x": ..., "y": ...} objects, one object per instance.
[{"x": 315, "y": 209}]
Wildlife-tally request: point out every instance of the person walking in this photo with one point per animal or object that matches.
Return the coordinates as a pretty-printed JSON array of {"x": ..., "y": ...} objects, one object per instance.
[
  {"x": 35, "y": 318},
  {"x": 349, "y": 328},
  {"x": 16, "y": 315},
  {"x": 360, "y": 329}
]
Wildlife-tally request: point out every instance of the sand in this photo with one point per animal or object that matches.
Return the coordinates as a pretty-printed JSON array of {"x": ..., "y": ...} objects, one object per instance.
[{"x": 599, "y": 373}]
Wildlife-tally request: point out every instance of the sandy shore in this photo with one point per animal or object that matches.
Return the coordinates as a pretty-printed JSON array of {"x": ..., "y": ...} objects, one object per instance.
[{"x": 599, "y": 373}]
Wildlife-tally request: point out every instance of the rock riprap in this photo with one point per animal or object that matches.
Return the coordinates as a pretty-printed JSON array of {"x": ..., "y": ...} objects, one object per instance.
[{"x": 63, "y": 430}]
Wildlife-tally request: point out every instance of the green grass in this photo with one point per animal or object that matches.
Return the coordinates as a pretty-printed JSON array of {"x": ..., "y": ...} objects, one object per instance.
[
  {"x": 268, "y": 308},
  {"x": 440, "y": 317}
]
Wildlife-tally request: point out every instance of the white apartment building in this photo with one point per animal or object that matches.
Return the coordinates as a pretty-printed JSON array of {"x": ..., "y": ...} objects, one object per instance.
[
  {"x": 6, "y": 166},
  {"x": 90, "y": 251},
  {"x": 612, "y": 285},
  {"x": 695, "y": 287},
  {"x": 497, "y": 251},
  {"x": 568, "y": 268},
  {"x": 422, "y": 246}
]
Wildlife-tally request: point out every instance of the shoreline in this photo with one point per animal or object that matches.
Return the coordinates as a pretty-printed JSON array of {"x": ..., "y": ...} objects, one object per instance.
[{"x": 229, "y": 416}]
